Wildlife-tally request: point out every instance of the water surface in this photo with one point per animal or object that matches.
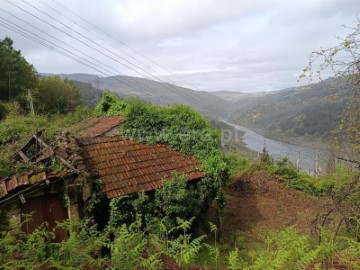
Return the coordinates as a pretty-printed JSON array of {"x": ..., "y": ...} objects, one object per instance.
[{"x": 305, "y": 156}]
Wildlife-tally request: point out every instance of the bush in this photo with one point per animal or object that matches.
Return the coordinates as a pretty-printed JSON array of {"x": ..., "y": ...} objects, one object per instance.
[
  {"x": 175, "y": 199},
  {"x": 237, "y": 164},
  {"x": 283, "y": 167},
  {"x": 288, "y": 173},
  {"x": 54, "y": 95}
]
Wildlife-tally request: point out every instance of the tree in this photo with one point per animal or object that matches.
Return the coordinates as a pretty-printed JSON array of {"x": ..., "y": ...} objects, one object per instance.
[
  {"x": 343, "y": 61},
  {"x": 54, "y": 95},
  {"x": 16, "y": 74}
]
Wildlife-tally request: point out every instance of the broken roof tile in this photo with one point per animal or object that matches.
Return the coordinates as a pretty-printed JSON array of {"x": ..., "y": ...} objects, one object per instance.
[{"x": 97, "y": 126}]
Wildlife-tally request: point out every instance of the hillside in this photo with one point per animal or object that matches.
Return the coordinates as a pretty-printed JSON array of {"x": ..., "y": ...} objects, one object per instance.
[
  {"x": 311, "y": 110},
  {"x": 157, "y": 92},
  {"x": 89, "y": 94},
  {"x": 232, "y": 96},
  {"x": 254, "y": 201}
]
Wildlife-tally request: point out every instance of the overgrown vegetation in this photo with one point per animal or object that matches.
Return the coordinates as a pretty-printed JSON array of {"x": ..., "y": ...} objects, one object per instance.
[
  {"x": 17, "y": 128},
  {"x": 176, "y": 199},
  {"x": 135, "y": 247},
  {"x": 183, "y": 129},
  {"x": 54, "y": 95}
]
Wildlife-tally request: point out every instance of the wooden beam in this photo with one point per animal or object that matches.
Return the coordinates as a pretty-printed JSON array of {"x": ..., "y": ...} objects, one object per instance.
[
  {"x": 40, "y": 141},
  {"x": 349, "y": 160},
  {"x": 23, "y": 156},
  {"x": 67, "y": 164}
]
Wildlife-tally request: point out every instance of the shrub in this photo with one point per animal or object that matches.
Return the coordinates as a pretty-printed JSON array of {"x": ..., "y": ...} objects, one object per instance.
[
  {"x": 236, "y": 163},
  {"x": 54, "y": 95}
]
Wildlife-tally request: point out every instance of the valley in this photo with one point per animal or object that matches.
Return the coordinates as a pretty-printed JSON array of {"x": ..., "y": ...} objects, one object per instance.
[
  {"x": 294, "y": 123},
  {"x": 188, "y": 147}
]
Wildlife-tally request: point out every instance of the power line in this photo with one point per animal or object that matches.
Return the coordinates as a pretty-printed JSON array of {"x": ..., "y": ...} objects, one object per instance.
[
  {"x": 177, "y": 89},
  {"x": 110, "y": 73},
  {"x": 117, "y": 40},
  {"x": 71, "y": 36},
  {"x": 18, "y": 29},
  {"x": 99, "y": 45},
  {"x": 164, "y": 85}
]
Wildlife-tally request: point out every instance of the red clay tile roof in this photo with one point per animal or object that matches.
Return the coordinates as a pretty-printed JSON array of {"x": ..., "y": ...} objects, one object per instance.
[
  {"x": 97, "y": 125},
  {"x": 126, "y": 166},
  {"x": 8, "y": 184}
]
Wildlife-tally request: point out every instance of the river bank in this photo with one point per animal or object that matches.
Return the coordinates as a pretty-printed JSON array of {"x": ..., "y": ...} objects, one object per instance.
[
  {"x": 309, "y": 159},
  {"x": 308, "y": 141}
]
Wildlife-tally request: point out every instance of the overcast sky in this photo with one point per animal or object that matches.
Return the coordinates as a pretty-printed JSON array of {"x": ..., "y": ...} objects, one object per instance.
[{"x": 236, "y": 45}]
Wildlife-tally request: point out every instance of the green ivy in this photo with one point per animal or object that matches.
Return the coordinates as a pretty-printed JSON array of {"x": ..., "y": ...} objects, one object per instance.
[{"x": 180, "y": 127}]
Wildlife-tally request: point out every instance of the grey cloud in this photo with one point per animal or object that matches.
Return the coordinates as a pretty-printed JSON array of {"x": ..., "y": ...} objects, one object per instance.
[{"x": 215, "y": 45}]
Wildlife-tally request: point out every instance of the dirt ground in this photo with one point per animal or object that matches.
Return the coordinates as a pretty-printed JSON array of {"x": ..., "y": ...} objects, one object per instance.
[{"x": 258, "y": 203}]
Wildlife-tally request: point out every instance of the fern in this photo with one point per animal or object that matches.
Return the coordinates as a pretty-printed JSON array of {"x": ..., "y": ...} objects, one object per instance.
[{"x": 235, "y": 263}]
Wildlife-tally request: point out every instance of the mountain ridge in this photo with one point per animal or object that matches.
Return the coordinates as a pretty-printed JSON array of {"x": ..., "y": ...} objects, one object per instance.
[
  {"x": 310, "y": 110},
  {"x": 156, "y": 92}
]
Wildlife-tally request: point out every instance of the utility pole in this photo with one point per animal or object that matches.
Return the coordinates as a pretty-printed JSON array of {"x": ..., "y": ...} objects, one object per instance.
[
  {"x": 317, "y": 165},
  {"x": 31, "y": 103},
  {"x": 9, "y": 81},
  {"x": 298, "y": 162}
]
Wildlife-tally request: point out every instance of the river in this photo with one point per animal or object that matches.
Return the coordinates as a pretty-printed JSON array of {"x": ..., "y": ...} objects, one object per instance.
[{"x": 306, "y": 156}]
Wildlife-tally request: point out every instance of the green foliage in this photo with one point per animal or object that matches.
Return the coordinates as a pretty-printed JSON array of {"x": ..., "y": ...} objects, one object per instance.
[
  {"x": 284, "y": 168},
  {"x": 179, "y": 199},
  {"x": 129, "y": 247},
  {"x": 128, "y": 208},
  {"x": 110, "y": 105},
  {"x": 184, "y": 249},
  {"x": 332, "y": 183},
  {"x": 21, "y": 251},
  {"x": 178, "y": 126},
  {"x": 265, "y": 159},
  {"x": 214, "y": 249},
  {"x": 16, "y": 129},
  {"x": 237, "y": 164},
  {"x": 175, "y": 199},
  {"x": 134, "y": 247},
  {"x": 235, "y": 263},
  {"x": 54, "y": 95},
  {"x": 82, "y": 247},
  {"x": 80, "y": 250},
  {"x": 288, "y": 173},
  {"x": 16, "y": 74},
  {"x": 289, "y": 250}
]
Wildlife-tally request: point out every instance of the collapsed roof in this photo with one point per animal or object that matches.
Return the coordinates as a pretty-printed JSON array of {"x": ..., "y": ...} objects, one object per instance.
[{"x": 124, "y": 166}]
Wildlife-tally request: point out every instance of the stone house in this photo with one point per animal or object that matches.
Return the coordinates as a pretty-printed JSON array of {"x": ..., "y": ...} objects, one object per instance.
[{"x": 89, "y": 152}]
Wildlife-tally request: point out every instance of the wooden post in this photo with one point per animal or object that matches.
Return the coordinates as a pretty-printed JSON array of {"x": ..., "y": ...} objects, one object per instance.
[
  {"x": 316, "y": 173},
  {"x": 298, "y": 162},
  {"x": 31, "y": 103}
]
